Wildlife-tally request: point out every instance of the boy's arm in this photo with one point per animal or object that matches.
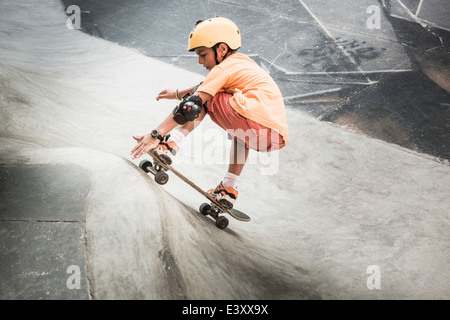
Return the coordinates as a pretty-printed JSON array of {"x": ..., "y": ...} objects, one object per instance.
[
  {"x": 172, "y": 94},
  {"x": 182, "y": 93},
  {"x": 147, "y": 142}
]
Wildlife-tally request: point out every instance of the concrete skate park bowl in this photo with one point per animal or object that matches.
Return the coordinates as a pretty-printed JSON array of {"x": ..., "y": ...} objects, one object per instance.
[{"x": 335, "y": 215}]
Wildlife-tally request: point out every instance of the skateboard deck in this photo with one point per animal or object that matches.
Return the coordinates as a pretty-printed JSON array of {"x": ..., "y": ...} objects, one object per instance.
[{"x": 214, "y": 209}]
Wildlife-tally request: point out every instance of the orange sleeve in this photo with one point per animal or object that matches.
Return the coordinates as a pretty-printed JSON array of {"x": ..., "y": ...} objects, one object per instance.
[{"x": 215, "y": 81}]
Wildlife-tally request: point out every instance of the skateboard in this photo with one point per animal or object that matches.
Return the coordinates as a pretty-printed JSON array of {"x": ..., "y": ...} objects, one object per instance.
[{"x": 159, "y": 169}]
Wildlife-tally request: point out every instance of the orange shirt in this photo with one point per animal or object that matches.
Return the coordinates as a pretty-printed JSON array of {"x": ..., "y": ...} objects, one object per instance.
[{"x": 256, "y": 96}]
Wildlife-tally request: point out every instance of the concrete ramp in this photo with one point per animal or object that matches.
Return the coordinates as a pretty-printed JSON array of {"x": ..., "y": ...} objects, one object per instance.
[
  {"x": 318, "y": 226},
  {"x": 112, "y": 260},
  {"x": 136, "y": 242}
]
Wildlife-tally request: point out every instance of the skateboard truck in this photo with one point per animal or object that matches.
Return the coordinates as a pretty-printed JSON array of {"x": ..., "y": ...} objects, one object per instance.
[
  {"x": 161, "y": 176},
  {"x": 214, "y": 211}
]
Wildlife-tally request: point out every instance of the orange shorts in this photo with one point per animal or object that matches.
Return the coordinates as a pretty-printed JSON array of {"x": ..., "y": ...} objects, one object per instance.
[{"x": 245, "y": 131}]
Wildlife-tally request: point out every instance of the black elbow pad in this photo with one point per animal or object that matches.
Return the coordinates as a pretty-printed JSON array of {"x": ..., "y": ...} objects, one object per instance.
[{"x": 189, "y": 109}]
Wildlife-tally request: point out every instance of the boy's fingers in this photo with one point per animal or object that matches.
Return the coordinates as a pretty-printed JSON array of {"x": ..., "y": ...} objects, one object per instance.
[
  {"x": 161, "y": 95},
  {"x": 142, "y": 152},
  {"x": 135, "y": 148},
  {"x": 141, "y": 148},
  {"x": 138, "y": 153},
  {"x": 139, "y": 144},
  {"x": 166, "y": 94}
]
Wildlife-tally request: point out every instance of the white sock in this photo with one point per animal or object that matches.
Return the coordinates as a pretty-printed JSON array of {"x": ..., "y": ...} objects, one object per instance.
[
  {"x": 177, "y": 137},
  {"x": 230, "y": 180}
]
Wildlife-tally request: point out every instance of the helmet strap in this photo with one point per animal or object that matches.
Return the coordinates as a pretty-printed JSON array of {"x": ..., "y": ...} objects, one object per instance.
[{"x": 215, "y": 52}]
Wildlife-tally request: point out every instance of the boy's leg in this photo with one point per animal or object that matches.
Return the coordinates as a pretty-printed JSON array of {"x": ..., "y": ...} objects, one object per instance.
[
  {"x": 226, "y": 192},
  {"x": 238, "y": 157}
]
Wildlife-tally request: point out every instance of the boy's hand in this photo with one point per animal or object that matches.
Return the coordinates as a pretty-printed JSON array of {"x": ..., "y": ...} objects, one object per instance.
[
  {"x": 145, "y": 144},
  {"x": 166, "y": 94}
]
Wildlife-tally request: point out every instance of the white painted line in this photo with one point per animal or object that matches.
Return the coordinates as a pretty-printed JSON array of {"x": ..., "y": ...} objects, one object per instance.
[{"x": 418, "y": 8}]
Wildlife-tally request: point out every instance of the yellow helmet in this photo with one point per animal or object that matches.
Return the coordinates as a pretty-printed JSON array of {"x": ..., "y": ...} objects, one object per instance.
[{"x": 212, "y": 31}]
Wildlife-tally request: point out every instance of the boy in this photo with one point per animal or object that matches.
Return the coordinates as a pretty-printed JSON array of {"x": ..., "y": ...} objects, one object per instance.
[{"x": 237, "y": 94}]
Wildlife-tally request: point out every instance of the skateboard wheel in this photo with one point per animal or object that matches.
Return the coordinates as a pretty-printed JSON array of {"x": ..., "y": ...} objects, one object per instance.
[
  {"x": 204, "y": 209},
  {"x": 222, "y": 222},
  {"x": 145, "y": 165},
  {"x": 161, "y": 177}
]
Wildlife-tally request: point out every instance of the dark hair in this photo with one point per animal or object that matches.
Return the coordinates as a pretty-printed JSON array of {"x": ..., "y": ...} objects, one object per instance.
[{"x": 214, "y": 47}]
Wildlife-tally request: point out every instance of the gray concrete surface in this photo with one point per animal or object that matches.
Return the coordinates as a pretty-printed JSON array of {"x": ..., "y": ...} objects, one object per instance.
[
  {"x": 325, "y": 210},
  {"x": 41, "y": 205}
]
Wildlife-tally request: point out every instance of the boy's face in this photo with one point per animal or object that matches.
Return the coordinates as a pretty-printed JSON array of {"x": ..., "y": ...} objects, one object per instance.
[{"x": 206, "y": 57}]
